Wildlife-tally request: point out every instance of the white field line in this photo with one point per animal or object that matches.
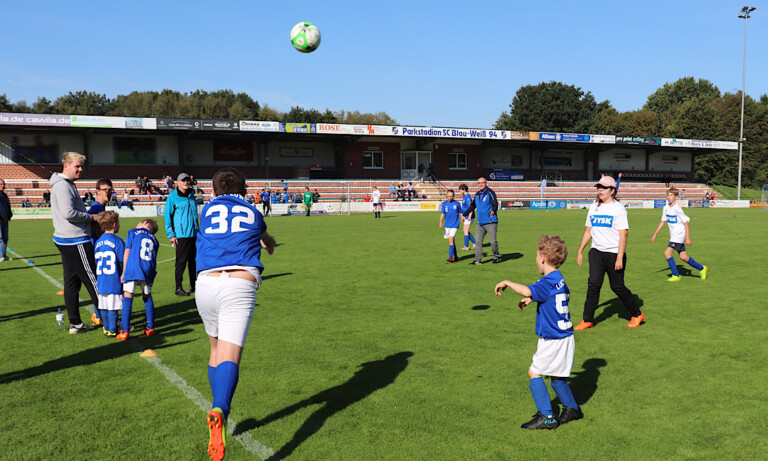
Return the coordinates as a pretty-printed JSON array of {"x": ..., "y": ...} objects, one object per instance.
[
  {"x": 166, "y": 260},
  {"x": 245, "y": 439}
]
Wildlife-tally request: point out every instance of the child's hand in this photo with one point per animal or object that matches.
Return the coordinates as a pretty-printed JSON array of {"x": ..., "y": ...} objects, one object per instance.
[
  {"x": 268, "y": 243},
  {"x": 579, "y": 259},
  {"x": 501, "y": 286},
  {"x": 688, "y": 242},
  {"x": 653, "y": 239},
  {"x": 523, "y": 302}
]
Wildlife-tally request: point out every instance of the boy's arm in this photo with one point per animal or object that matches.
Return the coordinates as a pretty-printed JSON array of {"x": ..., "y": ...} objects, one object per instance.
[
  {"x": 441, "y": 220},
  {"x": 661, "y": 224},
  {"x": 522, "y": 290},
  {"x": 268, "y": 242},
  {"x": 584, "y": 240},
  {"x": 688, "y": 234},
  {"x": 623, "y": 234},
  {"x": 125, "y": 261},
  {"x": 470, "y": 208}
]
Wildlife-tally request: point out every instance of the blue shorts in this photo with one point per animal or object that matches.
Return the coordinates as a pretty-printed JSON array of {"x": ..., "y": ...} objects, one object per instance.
[{"x": 679, "y": 247}]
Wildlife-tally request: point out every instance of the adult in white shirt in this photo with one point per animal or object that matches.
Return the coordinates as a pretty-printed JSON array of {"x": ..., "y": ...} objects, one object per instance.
[
  {"x": 607, "y": 226},
  {"x": 376, "y": 199}
]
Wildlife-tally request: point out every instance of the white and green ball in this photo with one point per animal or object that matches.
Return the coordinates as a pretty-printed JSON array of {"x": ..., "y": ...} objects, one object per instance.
[{"x": 305, "y": 37}]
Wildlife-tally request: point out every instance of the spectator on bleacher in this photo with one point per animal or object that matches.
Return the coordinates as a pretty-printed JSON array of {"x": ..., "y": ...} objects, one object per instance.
[
  {"x": 47, "y": 198},
  {"x": 682, "y": 193},
  {"x": 26, "y": 203},
  {"x": 266, "y": 207},
  {"x": 126, "y": 201},
  {"x": 315, "y": 196},
  {"x": 168, "y": 183},
  {"x": 198, "y": 190},
  {"x": 72, "y": 236},
  {"x": 249, "y": 198},
  {"x": 431, "y": 173},
  {"x": 181, "y": 226},
  {"x": 392, "y": 191},
  {"x": 411, "y": 191},
  {"x": 139, "y": 183},
  {"x": 5, "y": 216},
  {"x": 285, "y": 185},
  {"x": 284, "y": 198},
  {"x": 400, "y": 191},
  {"x": 296, "y": 197},
  {"x": 88, "y": 198}
]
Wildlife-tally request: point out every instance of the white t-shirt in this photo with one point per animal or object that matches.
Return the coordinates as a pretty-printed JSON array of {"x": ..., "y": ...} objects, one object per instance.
[
  {"x": 376, "y": 196},
  {"x": 606, "y": 221},
  {"x": 676, "y": 219}
]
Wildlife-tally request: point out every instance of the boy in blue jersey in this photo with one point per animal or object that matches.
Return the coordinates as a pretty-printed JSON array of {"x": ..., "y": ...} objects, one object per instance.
[
  {"x": 554, "y": 354},
  {"x": 232, "y": 234},
  {"x": 140, "y": 268},
  {"x": 109, "y": 252},
  {"x": 466, "y": 201},
  {"x": 450, "y": 210}
]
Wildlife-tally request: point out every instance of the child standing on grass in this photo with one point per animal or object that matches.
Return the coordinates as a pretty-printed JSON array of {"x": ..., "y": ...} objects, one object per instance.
[
  {"x": 554, "y": 354},
  {"x": 139, "y": 271},
  {"x": 109, "y": 251},
  {"x": 679, "y": 230}
]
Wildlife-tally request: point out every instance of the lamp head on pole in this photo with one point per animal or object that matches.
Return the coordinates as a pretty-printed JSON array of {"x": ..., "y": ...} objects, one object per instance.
[{"x": 745, "y": 11}]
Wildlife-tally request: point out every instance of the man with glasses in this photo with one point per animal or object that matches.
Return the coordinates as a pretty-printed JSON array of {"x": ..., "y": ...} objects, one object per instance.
[
  {"x": 103, "y": 193},
  {"x": 181, "y": 226},
  {"x": 485, "y": 205}
]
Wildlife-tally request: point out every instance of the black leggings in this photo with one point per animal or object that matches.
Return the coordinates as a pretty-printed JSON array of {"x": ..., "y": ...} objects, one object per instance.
[
  {"x": 601, "y": 263},
  {"x": 79, "y": 267}
]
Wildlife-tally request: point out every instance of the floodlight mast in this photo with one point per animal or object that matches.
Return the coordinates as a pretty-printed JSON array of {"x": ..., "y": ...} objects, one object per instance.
[{"x": 744, "y": 15}]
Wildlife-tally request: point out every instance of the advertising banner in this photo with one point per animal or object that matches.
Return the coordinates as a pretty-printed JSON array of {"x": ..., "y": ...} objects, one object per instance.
[
  {"x": 358, "y": 130},
  {"x": 659, "y": 203},
  {"x": 515, "y": 204},
  {"x": 34, "y": 149},
  {"x": 548, "y": 204},
  {"x": 632, "y": 203},
  {"x": 464, "y": 133},
  {"x": 519, "y": 135},
  {"x": 95, "y": 121},
  {"x": 249, "y": 125},
  {"x": 699, "y": 143},
  {"x": 297, "y": 127},
  {"x": 34, "y": 119},
  {"x": 564, "y": 137},
  {"x": 695, "y": 203},
  {"x": 138, "y": 123},
  {"x": 177, "y": 124},
  {"x": 232, "y": 151},
  {"x": 505, "y": 175},
  {"x": 602, "y": 138},
  {"x": 638, "y": 140},
  {"x": 220, "y": 125}
]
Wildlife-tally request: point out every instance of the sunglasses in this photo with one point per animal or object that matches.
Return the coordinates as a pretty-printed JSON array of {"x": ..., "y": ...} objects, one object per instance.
[
  {"x": 600, "y": 186},
  {"x": 106, "y": 190}
]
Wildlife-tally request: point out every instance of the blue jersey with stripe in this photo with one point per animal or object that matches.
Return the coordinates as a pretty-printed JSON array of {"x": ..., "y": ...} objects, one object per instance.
[
  {"x": 142, "y": 260},
  {"x": 452, "y": 211},
  {"x": 108, "y": 253},
  {"x": 230, "y": 234},
  {"x": 553, "y": 319},
  {"x": 466, "y": 202}
]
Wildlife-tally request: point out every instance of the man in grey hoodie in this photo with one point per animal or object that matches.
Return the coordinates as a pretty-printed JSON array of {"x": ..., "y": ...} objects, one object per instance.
[{"x": 72, "y": 236}]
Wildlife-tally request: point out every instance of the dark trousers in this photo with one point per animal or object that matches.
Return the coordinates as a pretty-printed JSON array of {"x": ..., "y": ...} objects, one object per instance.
[
  {"x": 186, "y": 252},
  {"x": 601, "y": 263},
  {"x": 266, "y": 208},
  {"x": 79, "y": 267}
]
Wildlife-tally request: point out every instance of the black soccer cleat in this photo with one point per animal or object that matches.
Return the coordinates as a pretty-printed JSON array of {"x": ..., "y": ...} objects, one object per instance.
[
  {"x": 181, "y": 292},
  {"x": 475, "y": 263},
  {"x": 80, "y": 328},
  {"x": 570, "y": 414},
  {"x": 540, "y": 421}
]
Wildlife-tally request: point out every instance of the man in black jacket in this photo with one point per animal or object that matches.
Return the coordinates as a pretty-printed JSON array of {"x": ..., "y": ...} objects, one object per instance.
[{"x": 5, "y": 216}]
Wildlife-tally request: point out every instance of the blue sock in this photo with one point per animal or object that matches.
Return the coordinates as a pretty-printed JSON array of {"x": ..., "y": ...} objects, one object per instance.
[
  {"x": 563, "y": 391},
  {"x": 126, "y": 314},
  {"x": 149, "y": 306},
  {"x": 541, "y": 396},
  {"x": 224, "y": 384},
  {"x": 211, "y": 376},
  {"x": 97, "y": 311},
  {"x": 694, "y": 264},
  {"x": 111, "y": 321},
  {"x": 471, "y": 238},
  {"x": 673, "y": 266},
  {"x": 451, "y": 251},
  {"x": 466, "y": 241}
]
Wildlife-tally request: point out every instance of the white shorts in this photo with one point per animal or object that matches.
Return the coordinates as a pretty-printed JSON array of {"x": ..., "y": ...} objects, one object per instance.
[
  {"x": 554, "y": 357},
  {"x": 226, "y": 306},
  {"x": 450, "y": 232},
  {"x": 146, "y": 289},
  {"x": 110, "y": 302},
  {"x": 467, "y": 222}
]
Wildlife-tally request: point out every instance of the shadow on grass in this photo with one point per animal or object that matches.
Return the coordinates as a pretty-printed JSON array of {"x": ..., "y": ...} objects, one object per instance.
[
  {"x": 481, "y": 307},
  {"x": 371, "y": 377},
  {"x": 45, "y": 310},
  {"x": 510, "y": 256},
  {"x": 584, "y": 383},
  {"x": 29, "y": 266},
  {"x": 616, "y": 307},
  {"x": 272, "y": 276},
  {"x": 682, "y": 270}
]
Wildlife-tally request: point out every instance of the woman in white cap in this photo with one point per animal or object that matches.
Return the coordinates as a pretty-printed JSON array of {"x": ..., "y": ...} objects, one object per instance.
[{"x": 607, "y": 227}]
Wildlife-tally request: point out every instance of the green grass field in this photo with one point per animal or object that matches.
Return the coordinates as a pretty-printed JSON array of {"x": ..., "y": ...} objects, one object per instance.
[{"x": 365, "y": 345}]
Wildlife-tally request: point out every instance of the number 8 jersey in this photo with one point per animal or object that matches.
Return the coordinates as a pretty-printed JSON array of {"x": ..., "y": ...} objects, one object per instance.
[
  {"x": 142, "y": 260},
  {"x": 230, "y": 234}
]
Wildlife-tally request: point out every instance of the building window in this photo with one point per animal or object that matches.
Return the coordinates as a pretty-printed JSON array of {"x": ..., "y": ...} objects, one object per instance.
[
  {"x": 373, "y": 160},
  {"x": 457, "y": 161}
]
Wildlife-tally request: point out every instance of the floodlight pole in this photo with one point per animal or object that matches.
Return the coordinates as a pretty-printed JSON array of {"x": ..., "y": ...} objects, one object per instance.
[{"x": 744, "y": 14}]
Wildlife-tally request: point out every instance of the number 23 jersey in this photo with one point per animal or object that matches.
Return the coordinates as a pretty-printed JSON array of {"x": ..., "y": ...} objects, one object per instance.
[
  {"x": 142, "y": 260},
  {"x": 230, "y": 234}
]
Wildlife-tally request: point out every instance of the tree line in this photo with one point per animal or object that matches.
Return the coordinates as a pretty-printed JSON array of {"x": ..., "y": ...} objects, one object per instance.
[{"x": 686, "y": 108}]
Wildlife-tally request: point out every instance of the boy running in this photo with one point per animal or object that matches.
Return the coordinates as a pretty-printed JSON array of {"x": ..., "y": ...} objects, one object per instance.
[
  {"x": 466, "y": 201},
  {"x": 554, "y": 354},
  {"x": 109, "y": 252},
  {"x": 450, "y": 210},
  {"x": 679, "y": 230},
  {"x": 139, "y": 272}
]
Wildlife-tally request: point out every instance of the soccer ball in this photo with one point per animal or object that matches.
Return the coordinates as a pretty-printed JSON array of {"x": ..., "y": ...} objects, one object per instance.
[{"x": 305, "y": 37}]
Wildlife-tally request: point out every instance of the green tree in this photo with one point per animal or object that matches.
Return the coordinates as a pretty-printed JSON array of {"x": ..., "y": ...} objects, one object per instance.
[
  {"x": 300, "y": 115},
  {"x": 270, "y": 114},
  {"x": 42, "y": 106},
  {"x": 135, "y": 104},
  {"x": 356, "y": 117},
  {"x": 82, "y": 103},
  {"x": 5, "y": 104},
  {"x": 682, "y": 90},
  {"x": 551, "y": 106},
  {"x": 642, "y": 123}
]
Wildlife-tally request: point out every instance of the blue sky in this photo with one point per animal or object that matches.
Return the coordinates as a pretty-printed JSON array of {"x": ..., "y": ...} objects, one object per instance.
[{"x": 447, "y": 63}]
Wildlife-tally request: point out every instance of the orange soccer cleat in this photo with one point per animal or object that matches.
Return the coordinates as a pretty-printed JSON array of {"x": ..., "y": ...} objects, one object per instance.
[
  {"x": 149, "y": 331},
  {"x": 96, "y": 321},
  {"x": 636, "y": 321},
  {"x": 217, "y": 444},
  {"x": 583, "y": 326},
  {"x": 123, "y": 335}
]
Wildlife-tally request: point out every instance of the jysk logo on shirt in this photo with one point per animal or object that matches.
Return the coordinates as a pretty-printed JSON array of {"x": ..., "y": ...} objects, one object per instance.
[
  {"x": 602, "y": 221},
  {"x": 672, "y": 219}
]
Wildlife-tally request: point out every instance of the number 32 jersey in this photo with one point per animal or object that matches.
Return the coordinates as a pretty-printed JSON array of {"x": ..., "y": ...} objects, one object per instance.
[
  {"x": 230, "y": 234},
  {"x": 142, "y": 260}
]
